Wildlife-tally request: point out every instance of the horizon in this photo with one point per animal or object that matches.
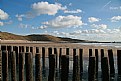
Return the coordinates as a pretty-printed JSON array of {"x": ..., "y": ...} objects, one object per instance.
[{"x": 93, "y": 20}]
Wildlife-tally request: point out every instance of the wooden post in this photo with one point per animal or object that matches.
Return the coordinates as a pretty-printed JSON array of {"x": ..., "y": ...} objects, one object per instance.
[
  {"x": 74, "y": 53},
  {"x": 51, "y": 76},
  {"x": 0, "y": 65},
  {"x": 81, "y": 62},
  {"x": 43, "y": 57},
  {"x": 37, "y": 49},
  {"x": 90, "y": 53},
  {"x": 102, "y": 55},
  {"x": 60, "y": 53},
  {"x": 67, "y": 51},
  {"x": 13, "y": 66},
  {"x": 49, "y": 51},
  {"x": 119, "y": 62},
  {"x": 29, "y": 66},
  {"x": 92, "y": 69},
  {"x": 3, "y": 48},
  {"x": 31, "y": 50},
  {"x": 56, "y": 61},
  {"x": 23, "y": 50},
  {"x": 27, "y": 49},
  {"x": 64, "y": 67},
  {"x": 20, "y": 49},
  {"x": 21, "y": 66},
  {"x": 76, "y": 72},
  {"x": 111, "y": 62},
  {"x": 96, "y": 56},
  {"x": 5, "y": 65},
  {"x": 55, "y": 52},
  {"x": 43, "y": 62},
  {"x": 17, "y": 54},
  {"x": 38, "y": 72},
  {"x": 105, "y": 69}
]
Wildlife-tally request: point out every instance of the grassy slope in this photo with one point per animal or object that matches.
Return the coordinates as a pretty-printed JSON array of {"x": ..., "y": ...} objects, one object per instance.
[{"x": 10, "y": 36}]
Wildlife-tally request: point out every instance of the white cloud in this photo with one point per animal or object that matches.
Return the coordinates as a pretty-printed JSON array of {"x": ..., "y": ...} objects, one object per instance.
[
  {"x": 116, "y": 19},
  {"x": 3, "y": 15},
  {"x": 42, "y": 27},
  {"x": 9, "y": 22},
  {"x": 21, "y": 25},
  {"x": 64, "y": 21},
  {"x": 93, "y": 19},
  {"x": 115, "y": 8},
  {"x": 73, "y": 11},
  {"x": 20, "y": 17},
  {"x": 46, "y": 8},
  {"x": 1, "y": 23},
  {"x": 100, "y": 26},
  {"x": 70, "y": 4}
]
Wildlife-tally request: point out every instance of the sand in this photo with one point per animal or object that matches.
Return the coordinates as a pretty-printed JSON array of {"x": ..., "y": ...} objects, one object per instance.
[{"x": 63, "y": 45}]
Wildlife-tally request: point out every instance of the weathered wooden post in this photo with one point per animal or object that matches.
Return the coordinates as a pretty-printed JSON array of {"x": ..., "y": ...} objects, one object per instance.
[
  {"x": 3, "y": 48},
  {"x": 49, "y": 51},
  {"x": 37, "y": 49},
  {"x": 111, "y": 62},
  {"x": 20, "y": 49},
  {"x": 119, "y": 62},
  {"x": 23, "y": 50},
  {"x": 92, "y": 69},
  {"x": 81, "y": 60},
  {"x": 105, "y": 69},
  {"x": 27, "y": 49},
  {"x": 64, "y": 67},
  {"x": 43, "y": 62},
  {"x": 90, "y": 53},
  {"x": 13, "y": 67},
  {"x": 60, "y": 53},
  {"x": 96, "y": 56},
  {"x": 51, "y": 76},
  {"x": 16, "y": 49},
  {"x": 5, "y": 65},
  {"x": 76, "y": 72},
  {"x": 55, "y": 52},
  {"x": 102, "y": 55},
  {"x": 43, "y": 57},
  {"x": 29, "y": 66},
  {"x": 67, "y": 51},
  {"x": 38, "y": 72},
  {"x": 0, "y": 65},
  {"x": 21, "y": 66},
  {"x": 56, "y": 62}
]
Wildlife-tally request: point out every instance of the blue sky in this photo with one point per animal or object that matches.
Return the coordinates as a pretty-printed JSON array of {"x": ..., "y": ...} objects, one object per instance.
[{"x": 98, "y": 20}]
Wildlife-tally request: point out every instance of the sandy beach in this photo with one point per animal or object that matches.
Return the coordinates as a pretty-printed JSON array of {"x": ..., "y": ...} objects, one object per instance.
[{"x": 63, "y": 45}]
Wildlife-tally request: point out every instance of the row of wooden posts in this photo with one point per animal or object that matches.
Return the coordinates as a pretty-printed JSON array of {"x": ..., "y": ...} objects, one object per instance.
[{"x": 23, "y": 60}]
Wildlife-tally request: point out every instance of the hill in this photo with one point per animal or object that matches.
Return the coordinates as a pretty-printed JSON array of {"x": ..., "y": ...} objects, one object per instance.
[{"x": 36, "y": 37}]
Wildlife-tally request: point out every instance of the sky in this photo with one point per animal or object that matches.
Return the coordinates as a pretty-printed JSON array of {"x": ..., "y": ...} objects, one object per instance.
[{"x": 97, "y": 20}]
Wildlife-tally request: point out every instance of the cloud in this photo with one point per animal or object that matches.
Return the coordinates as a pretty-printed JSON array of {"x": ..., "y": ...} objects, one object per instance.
[
  {"x": 115, "y": 19},
  {"x": 21, "y": 25},
  {"x": 1, "y": 23},
  {"x": 20, "y": 17},
  {"x": 70, "y": 4},
  {"x": 8, "y": 22},
  {"x": 64, "y": 21},
  {"x": 115, "y": 8},
  {"x": 3, "y": 15},
  {"x": 93, "y": 19},
  {"x": 46, "y": 8},
  {"x": 100, "y": 26},
  {"x": 73, "y": 11}
]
